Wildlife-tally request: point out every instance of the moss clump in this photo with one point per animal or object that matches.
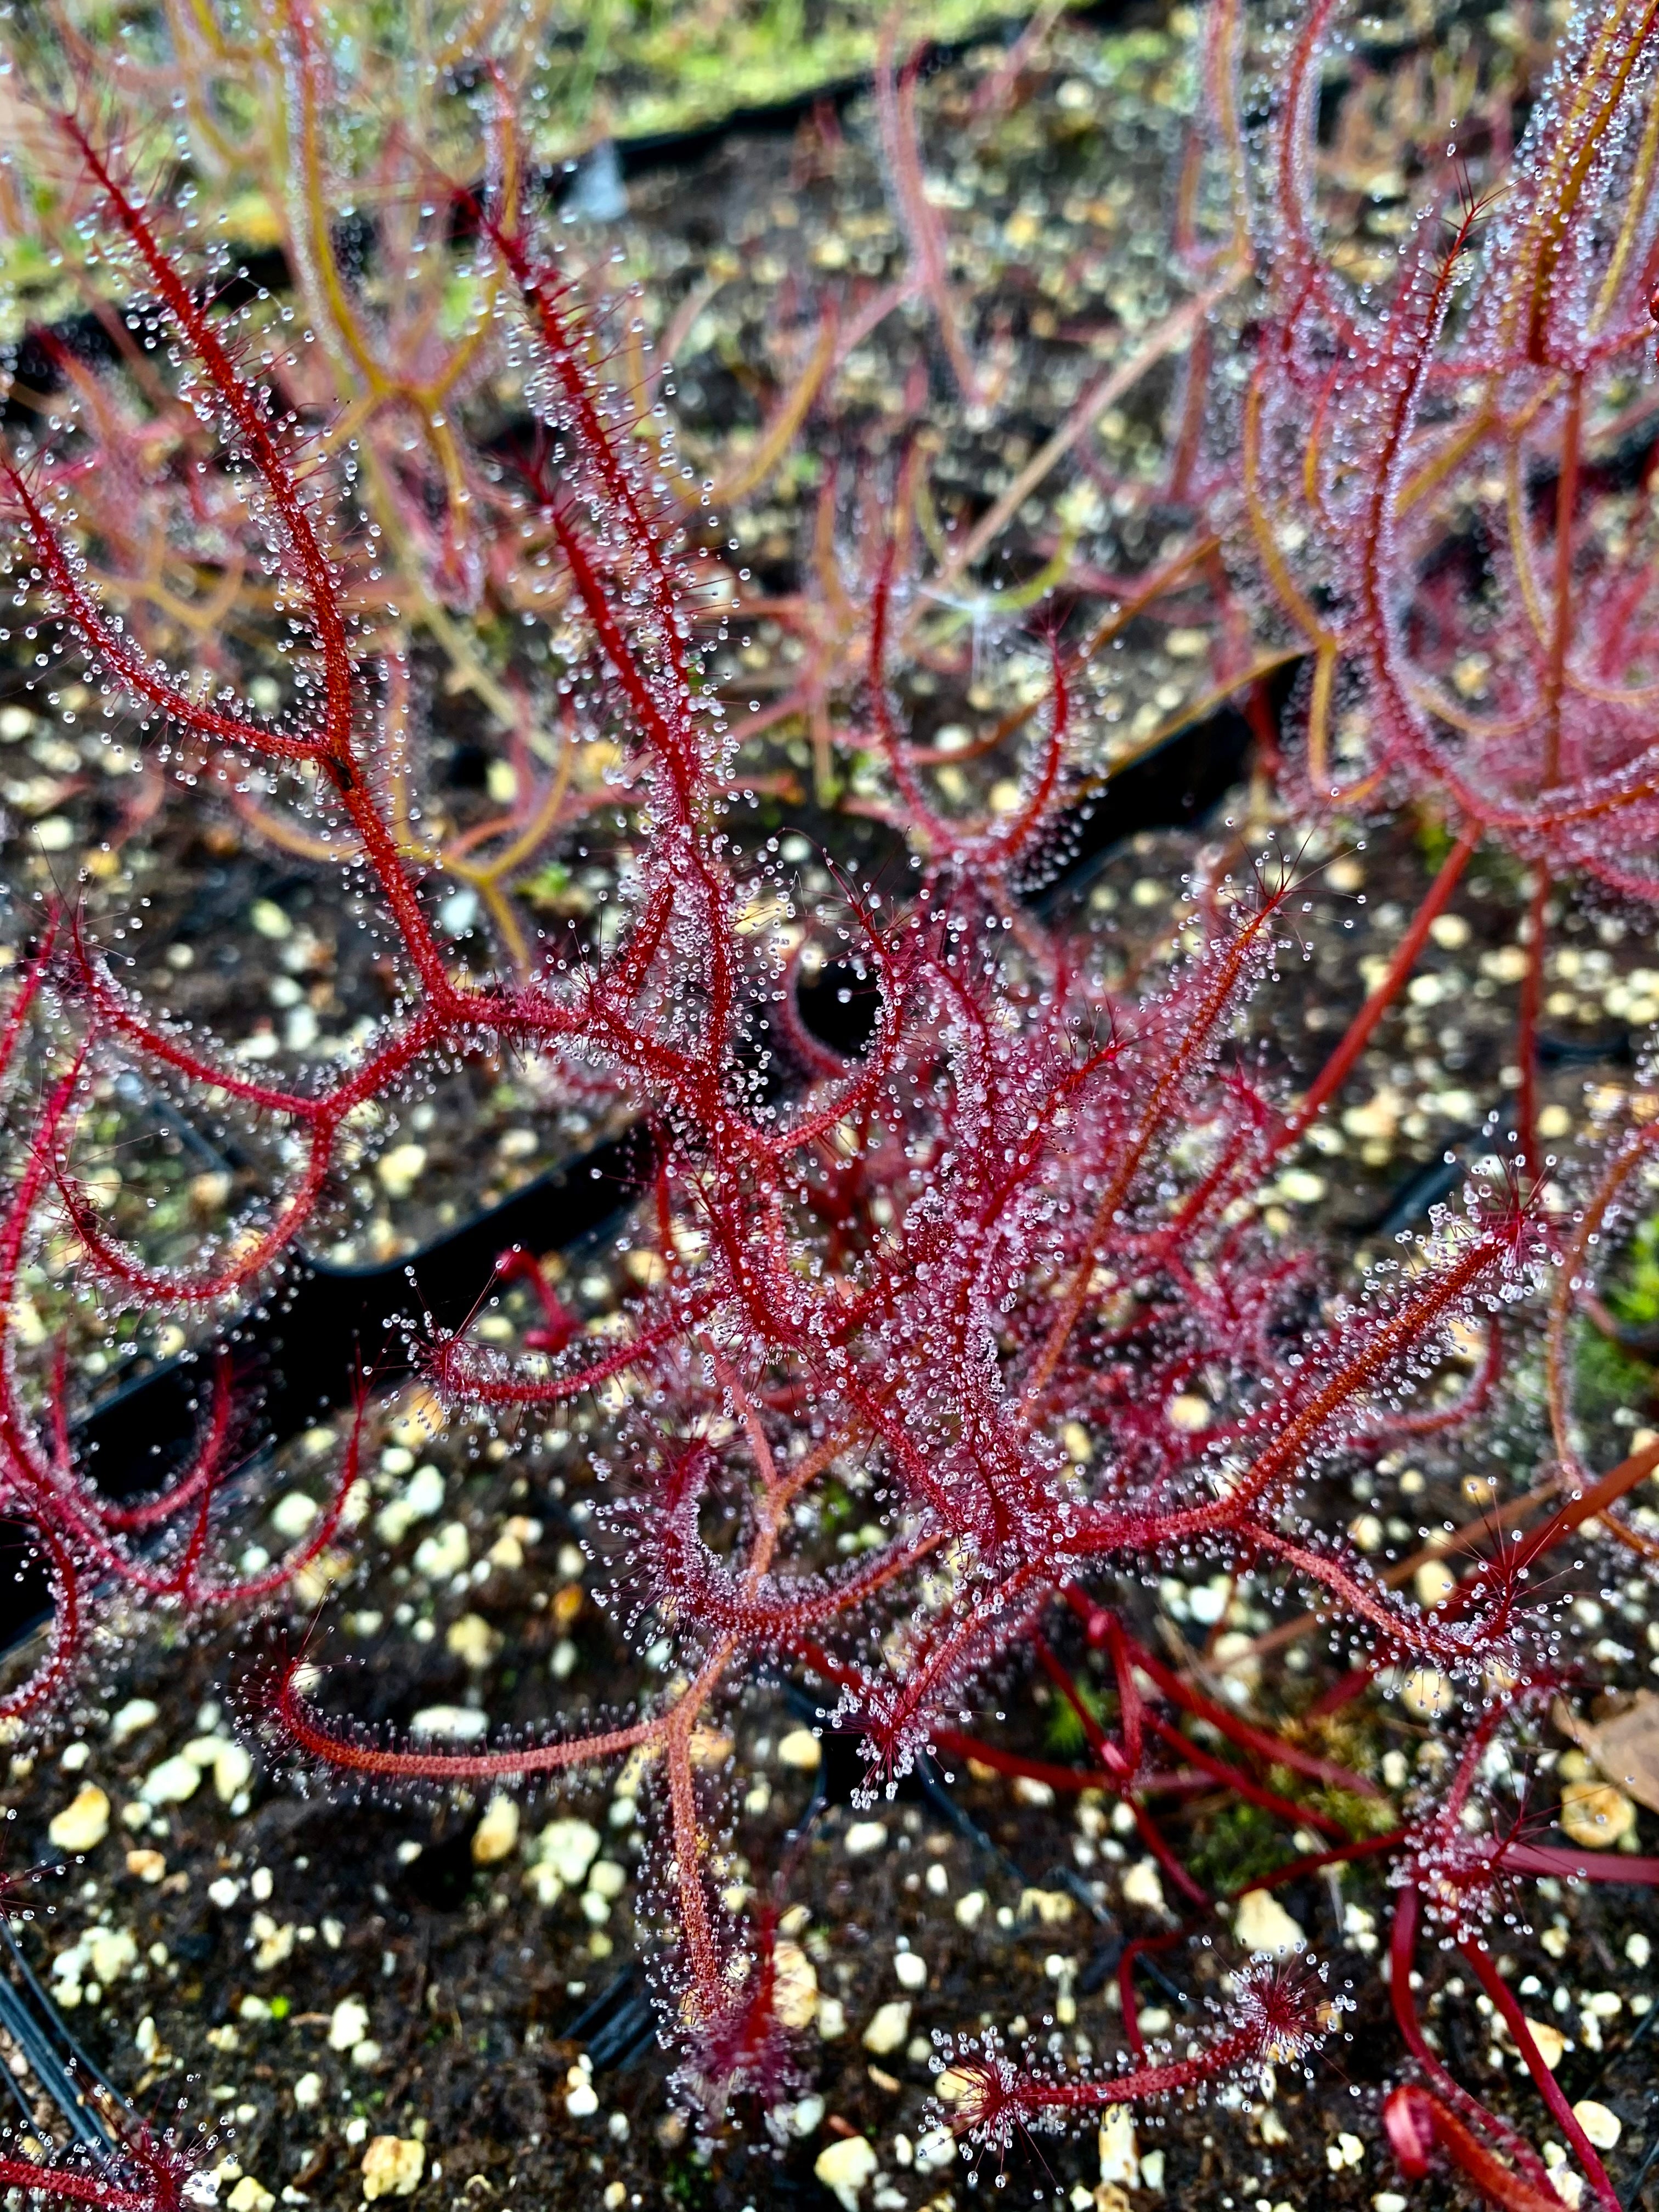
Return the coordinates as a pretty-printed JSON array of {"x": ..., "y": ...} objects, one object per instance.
[
  {"x": 1063, "y": 1731},
  {"x": 1358, "y": 1816},
  {"x": 1606, "y": 1378},
  {"x": 1634, "y": 1297},
  {"x": 1235, "y": 1847}
]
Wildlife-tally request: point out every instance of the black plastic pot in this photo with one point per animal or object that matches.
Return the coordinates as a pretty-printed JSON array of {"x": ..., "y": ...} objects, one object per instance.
[{"x": 305, "y": 1348}]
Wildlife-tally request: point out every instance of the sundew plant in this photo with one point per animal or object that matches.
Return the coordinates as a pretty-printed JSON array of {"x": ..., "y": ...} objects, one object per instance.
[{"x": 1002, "y": 1268}]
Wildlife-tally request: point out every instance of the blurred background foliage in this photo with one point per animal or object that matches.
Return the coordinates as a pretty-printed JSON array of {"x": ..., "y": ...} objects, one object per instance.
[
  {"x": 583, "y": 73},
  {"x": 630, "y": 68}
]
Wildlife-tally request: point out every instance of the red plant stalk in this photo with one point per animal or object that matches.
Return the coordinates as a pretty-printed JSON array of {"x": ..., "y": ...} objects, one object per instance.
[
  {"x": 144, "y": 2173},
  {"x": 1449, "y": 2093},
  {"x": 77, "y": 2187},
  {"x": 924, "y": 231},
  {"x": 1451, "y": 1871},
  {"x": 1418, "y": 2123},
  {"x": 1279, "y": 2013},
  {"x": 1527, "y": 2044},
  {"x": 1378, "y": 425}
]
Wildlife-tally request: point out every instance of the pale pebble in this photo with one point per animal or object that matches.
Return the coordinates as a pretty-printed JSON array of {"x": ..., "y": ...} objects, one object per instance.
[
  {"x": 83, "y": 1822},
  {"x": 392, "y": 2166},
  {"x": 888, "y": 2028},
  {"x": 844, "y": 2167}
]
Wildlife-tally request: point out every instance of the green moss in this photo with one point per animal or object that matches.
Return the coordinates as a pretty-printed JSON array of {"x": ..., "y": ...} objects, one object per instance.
[
  {"x": 548, "y": 886},
  {"x": 837, "y": 1507},
  {"x": 1634, "y": 1295},
  {"x": 1064, "y": 1733},
  {"x": 1237, "y": 1845},
  {"x": 1433, "y": 839},
  {"x": 627, "y": 69},
  {"x": 1606, "y": 1379},
  {"x": 1357, "y": 1816},
  {"x": 689, "y": 2183}
]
